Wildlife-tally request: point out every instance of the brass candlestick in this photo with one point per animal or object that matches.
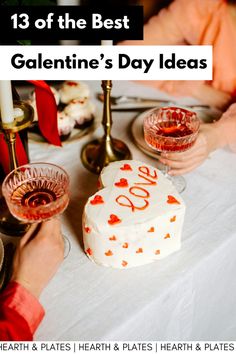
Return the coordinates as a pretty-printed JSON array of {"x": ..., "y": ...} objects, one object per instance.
[
  {"x": 8, "y": 224},
  {"x": 100, "y": 152}
]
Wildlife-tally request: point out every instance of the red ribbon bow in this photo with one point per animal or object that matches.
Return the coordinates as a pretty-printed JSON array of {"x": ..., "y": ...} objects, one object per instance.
[{"x": 47, "y": 118}]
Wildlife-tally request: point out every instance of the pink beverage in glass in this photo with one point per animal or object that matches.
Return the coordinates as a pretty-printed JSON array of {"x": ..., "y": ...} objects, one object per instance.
[
  {"x": 36, "y": 192},
  {"x": 171, "y": 129}
]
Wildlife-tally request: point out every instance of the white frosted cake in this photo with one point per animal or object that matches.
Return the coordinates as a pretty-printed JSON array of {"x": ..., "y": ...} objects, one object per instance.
[{"x": 135, "y": 218}]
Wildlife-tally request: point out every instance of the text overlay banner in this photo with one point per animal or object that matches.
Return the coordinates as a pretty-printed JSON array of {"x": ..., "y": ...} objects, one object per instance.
[
  {"x": 106, "y": 62},
  {"x": 71, "y": 22}
]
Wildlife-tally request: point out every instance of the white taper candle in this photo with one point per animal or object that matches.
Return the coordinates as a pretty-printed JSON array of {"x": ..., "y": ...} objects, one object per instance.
[
  {"x": 6, "y": 102},
  {"x": 68, "y": 2},
  {"x": 106, "y": 42}
]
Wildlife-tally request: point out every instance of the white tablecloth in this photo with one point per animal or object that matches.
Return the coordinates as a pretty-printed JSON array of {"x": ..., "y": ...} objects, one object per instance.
[{"x": 189, "y": 295}]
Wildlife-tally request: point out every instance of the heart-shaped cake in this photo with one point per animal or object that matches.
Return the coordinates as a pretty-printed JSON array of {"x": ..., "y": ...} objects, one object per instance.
[{"x": 135, "y": 218}]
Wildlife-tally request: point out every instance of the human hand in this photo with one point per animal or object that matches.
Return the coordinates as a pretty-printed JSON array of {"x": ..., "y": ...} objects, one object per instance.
[
  {"x": 211, "y": 96},
  {"x": 208, "y": 140},
  {"x": 200, "y": 90},
  {"x": 38, "y": 256}
]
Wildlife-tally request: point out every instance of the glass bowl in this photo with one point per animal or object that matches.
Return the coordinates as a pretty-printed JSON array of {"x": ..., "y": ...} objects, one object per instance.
[
  {"x": 36, "y": 192},
  {"x": 171, "y": 129}
]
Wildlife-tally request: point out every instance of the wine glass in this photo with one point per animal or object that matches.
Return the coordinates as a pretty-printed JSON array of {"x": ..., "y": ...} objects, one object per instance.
[
  {"x": 37, "y": 192},
  {"x": 171, "y": 129}
]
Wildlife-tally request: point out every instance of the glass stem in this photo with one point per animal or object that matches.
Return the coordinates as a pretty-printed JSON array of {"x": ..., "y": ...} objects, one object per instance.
[{"x": 165, "y": 171}]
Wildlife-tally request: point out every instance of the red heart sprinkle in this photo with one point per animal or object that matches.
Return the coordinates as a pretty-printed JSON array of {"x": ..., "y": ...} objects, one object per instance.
[
  {"x": 173, "y": 218},
  {"x": 152, "y": 229},
  {"x": 125, "y": 245},
  {"x": 112, "y": 238},
  {"x": 109, "y": 253},
  {"x": 126, "y": 167},
  {"x": 71, "y": 83},
  {"x": 124, "y": 263},
  {"x": 87, "y": 229},
  {"x": 89, "y": 251},
  {"x": 122, "y": 183},
  {"x": 97, "y": 200},
  {"x": 140, "y": 250},
  {"x": 157, "y": 252},
  {"x": 113, "y": 220},
  {"x": 167, "y": 236},
  {"x": 172, "y": 200}
]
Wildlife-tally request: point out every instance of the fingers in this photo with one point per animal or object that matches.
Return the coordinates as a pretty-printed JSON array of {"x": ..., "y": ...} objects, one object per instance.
[
  {"x": 29, "y": 234},
  {"x": 52, "y": 225},
  {"x": 183, "y": 161},
  {"x": 168, "y": 158},
  {"x": 198, "y": 148},
  {"x": 182, "y": 171},
  {"x": 45, "y": 229},
  {"x": 50, "y": 233},
  {"x": 180, "y": 163},
  {"x": 180, "y": 155}
]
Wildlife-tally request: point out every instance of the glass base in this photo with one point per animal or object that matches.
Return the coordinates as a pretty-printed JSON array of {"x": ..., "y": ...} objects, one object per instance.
[
  {"x": 178, "y": 181},
  {"x": 100, "y": 152},
  {"x": 67, "y": 246}
]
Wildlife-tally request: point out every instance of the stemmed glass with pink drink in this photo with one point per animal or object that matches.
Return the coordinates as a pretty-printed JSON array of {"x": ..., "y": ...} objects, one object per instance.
[
  {"x": 37, "y": 192},
  {"x": 171, "y": 129}
]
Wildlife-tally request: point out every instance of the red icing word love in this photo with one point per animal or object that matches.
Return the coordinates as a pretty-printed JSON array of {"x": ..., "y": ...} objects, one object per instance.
[
  {"x": 147, "y": 178},
  {"x": 113, "y": 220},
  {"x": 122, "y": 183},
  {"x": 126, "y": 167},
  {"x": 172, "y": 200},
  {"x": 97, "y": 200},
  {"x": 137, "y": 192},
  {"x": 130, "y": 204},
  {"x": 146, "y": 171},
  {"x": 148, "y": 183}
]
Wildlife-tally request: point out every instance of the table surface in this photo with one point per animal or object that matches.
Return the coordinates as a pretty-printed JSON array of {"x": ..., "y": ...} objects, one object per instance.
[{"x": 189, "y": 295}]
